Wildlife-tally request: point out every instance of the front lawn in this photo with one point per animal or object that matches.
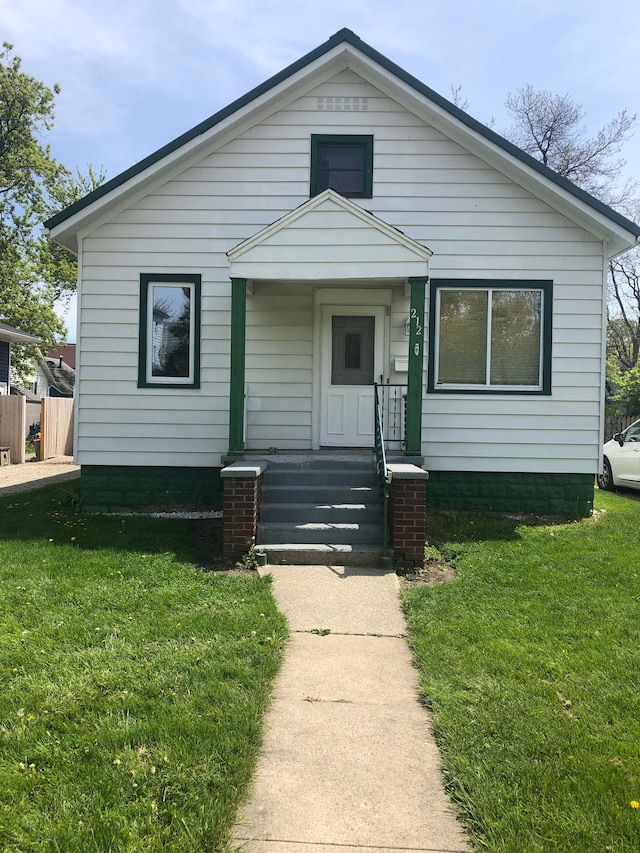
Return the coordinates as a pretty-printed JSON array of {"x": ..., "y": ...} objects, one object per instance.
[
  {"x": 530, "y": 662},
  {"x": 132, "y": 680}
]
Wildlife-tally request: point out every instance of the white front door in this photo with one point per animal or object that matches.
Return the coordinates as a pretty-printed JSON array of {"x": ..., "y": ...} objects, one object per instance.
[{"x": 352, "y": 360}]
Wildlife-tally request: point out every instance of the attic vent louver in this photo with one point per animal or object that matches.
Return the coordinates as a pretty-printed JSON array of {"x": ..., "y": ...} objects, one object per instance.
[{"x": 344, "y": 105}]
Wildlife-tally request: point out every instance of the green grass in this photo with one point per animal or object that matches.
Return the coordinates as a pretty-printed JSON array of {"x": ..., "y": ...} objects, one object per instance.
[
  {"x": 530, "y": 662},
  {"x": 132, "y": 680}
]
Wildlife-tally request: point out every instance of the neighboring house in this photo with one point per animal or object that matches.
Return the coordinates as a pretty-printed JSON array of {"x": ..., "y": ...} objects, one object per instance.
[
  {"x": 66, "y": 352},
  {"x": 54, "y": 373},
  {"x": 10, "y": 335},
  {"x": 243, "y": 287}
]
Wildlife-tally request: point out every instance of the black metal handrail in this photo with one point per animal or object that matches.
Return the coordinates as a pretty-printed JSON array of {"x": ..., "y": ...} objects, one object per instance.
[{"x": 383, "y": 478}]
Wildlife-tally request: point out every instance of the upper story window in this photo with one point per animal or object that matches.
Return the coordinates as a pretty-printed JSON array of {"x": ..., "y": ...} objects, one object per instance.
[
  {"x": 169, "y": 330},
  {"x": 492, "y": 337},
  {"x": 342, "y": 163}
]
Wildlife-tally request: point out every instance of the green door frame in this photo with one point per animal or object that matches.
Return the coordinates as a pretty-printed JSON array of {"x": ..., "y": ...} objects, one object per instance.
[
  {"x": 416, "y": 366},
  {"x": 237, "y": 371}
]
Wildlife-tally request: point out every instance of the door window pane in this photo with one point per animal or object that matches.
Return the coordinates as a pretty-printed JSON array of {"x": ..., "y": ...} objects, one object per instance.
[{"x": 352, "y": 350}]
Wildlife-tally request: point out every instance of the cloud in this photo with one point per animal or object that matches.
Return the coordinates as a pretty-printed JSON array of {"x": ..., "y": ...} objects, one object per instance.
[{"x": 135, "y": 75}]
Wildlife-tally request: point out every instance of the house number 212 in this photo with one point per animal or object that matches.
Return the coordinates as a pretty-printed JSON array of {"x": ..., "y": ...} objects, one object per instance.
[{"x": 414, "y": 316}]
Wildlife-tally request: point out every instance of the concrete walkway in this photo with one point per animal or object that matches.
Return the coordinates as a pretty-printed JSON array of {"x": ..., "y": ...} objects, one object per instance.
[{"x": 349, "y": 763}]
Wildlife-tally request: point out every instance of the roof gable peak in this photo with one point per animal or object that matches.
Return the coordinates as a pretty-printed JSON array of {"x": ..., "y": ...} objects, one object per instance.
[
  {"x": 329, "y": 200},
  {"x": 365, "y": 60}
]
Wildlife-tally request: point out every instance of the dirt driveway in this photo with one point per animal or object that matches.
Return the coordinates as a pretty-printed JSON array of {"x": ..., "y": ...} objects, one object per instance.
[{"x": 33, "y": 475}]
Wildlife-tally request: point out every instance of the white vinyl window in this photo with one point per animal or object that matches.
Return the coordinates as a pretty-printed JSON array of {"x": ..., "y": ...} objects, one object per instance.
[
  {"x": 169, "y": 330},
  {"x": 490, "y": 338}
]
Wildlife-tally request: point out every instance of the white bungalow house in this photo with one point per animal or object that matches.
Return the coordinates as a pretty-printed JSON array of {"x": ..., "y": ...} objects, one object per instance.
[{"x": 243, "y": 288}]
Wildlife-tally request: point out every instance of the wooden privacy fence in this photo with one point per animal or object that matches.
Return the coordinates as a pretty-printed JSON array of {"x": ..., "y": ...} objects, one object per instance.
[
  {"x": 56, "y": 427},
  {"x": 616, "y": 423},
  {"x": 13, "y": 426}
]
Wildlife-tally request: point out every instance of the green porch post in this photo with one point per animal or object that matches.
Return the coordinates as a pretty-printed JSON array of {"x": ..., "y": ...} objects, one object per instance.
[
  {"x": 236, "y": 385},
  {"x": 416, "y": 365}
]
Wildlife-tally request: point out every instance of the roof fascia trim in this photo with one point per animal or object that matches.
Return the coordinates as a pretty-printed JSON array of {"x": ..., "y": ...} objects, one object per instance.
[
  {"x": 198, "y": 133},
  {"x": 347, "y": 37},
  {"x": 14, "y": 336},
  {"x": 450, "y": 110}
]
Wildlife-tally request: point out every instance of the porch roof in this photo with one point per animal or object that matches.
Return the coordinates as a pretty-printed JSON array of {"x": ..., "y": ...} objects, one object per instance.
[{"x": 329, "y": 238}]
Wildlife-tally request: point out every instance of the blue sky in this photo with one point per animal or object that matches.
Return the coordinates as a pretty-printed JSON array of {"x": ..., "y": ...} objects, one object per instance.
[{"x": 137, "y": 73}]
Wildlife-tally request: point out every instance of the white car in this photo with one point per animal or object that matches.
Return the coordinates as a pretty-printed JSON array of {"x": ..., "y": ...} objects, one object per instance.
[{"x": 621, "y": 464}]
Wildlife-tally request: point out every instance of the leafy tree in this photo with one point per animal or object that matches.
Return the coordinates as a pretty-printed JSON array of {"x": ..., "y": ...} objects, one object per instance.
[
  {"x": 625, "y": 389},
  {"x": 549, "y": 127},
  {"x": 34, "y": 273}
]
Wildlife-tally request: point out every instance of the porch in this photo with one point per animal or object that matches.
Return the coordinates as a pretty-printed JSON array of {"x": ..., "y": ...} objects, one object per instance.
[{"x": 327, "y": 303}]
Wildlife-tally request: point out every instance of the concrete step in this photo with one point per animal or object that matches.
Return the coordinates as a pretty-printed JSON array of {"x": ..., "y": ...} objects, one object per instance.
[
  {"x": 364, "y": 462},
  {"x": 327, "y": 494},
  {"x": 279, "y": 475},
  {"x": 310, "y": 554},
  {"x": 319, "y": 533},
  {"x": 323, "y": 507},
  {"x": 320, "y": 512}
]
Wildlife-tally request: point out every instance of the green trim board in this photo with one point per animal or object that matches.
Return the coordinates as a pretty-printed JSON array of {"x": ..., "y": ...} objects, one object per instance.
[
  {"x": 343, "y": 163},
  {"x": 546, "y": 337},
  {"x": 109, "y": 488},
  {"x": 415, "y": 367},
  {"x": 180, "y": 371},
  {"x": 547, "y": 494},
  {"x": 237, "y": 370},
  {"x": 344, "y": 36}
]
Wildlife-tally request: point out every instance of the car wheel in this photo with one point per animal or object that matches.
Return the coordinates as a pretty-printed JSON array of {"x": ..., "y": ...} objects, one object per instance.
[{"x": 605, "y": 480}]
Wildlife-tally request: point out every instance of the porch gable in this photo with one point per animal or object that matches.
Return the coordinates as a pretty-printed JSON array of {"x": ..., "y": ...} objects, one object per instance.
[{"x": 329, "y": 238}]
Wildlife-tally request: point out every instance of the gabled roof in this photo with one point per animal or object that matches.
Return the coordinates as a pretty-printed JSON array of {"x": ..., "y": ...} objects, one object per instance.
[
  {"x": 349, "y": 243},
  {"x": 60, "y": 377},
  {"x": 345, "y": 49}
]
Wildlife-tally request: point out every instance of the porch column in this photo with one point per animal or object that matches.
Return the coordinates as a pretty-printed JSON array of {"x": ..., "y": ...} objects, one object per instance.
[
  {"x": 416, "y": 366},
  {"x": 236, "y": 384}
]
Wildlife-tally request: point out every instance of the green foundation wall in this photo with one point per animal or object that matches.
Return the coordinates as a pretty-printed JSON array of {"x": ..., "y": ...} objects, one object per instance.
[
  {"x": 547, "y": 494},
  {"x": 108, "y": 488}
]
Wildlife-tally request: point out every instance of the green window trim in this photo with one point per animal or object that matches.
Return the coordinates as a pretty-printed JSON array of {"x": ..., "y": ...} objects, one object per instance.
[
  {"x": 184, "y": 369},
  {"x": 361, "y": 147},
  {"x": 545, "y": 287}
]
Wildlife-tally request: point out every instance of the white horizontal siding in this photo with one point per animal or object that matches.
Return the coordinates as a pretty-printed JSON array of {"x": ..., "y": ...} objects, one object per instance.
[
  {"x": 279, "y": 367},
  {"x": 478, "y": 224}
]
